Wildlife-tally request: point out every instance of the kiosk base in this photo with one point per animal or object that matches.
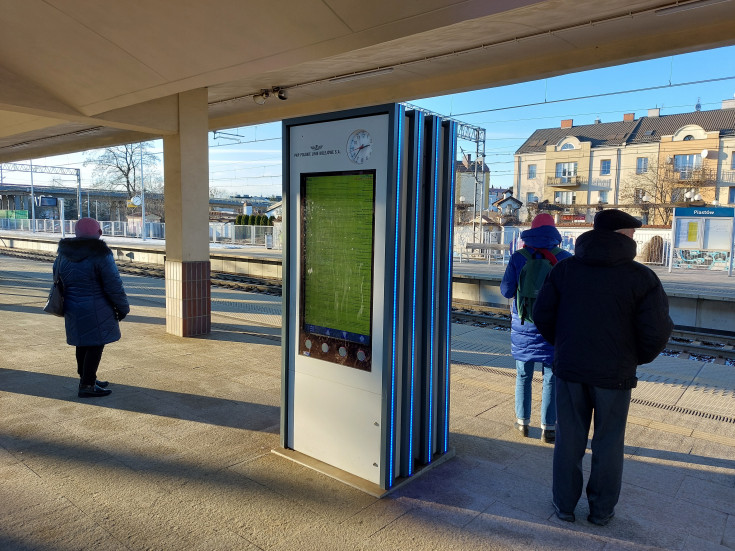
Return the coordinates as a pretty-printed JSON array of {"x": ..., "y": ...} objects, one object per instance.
[{"x": 355, "y": 481}]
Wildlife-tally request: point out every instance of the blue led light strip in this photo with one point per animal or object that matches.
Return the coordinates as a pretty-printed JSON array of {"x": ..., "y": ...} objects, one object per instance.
[
  {"x": 392, "y": 436},
  {"x": 433, "y": 285},
  {"x": 453, "y": 152},
  {"x": 420, "y": 130}
]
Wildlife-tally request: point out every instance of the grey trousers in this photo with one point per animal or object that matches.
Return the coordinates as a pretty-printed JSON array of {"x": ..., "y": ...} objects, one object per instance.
[{"x": 576, "y": 403}]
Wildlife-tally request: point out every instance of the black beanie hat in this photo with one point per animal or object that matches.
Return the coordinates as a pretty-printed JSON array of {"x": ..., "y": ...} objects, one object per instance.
[{"x": 613, "y": 219}]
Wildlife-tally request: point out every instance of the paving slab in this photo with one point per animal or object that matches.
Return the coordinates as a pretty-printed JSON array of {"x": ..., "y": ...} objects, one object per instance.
[{"x": 179, "y": 456}]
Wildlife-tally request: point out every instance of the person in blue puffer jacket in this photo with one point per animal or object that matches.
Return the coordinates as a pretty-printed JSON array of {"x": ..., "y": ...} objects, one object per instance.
[
  {"x": 94, "y": 301},
  {"x": 528, "y": 347}
]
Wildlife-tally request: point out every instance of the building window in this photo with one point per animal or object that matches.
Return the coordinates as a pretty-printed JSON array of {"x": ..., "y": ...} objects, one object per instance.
[
  {"x": 565, "y": 197},
  {"x": 567, "y": 146},
  {"x": 603, "y": 196},
  {"x": 531, "y": 172},
  {"x": 605, "y": 167},
  {"x": 688, "y": 137},
  {"x": 641, "y": 165},
  {"x": 565, "y": 171},
  {"x": 731, "y": 196},
  {"x": 531, "y": 198},
  {"x": 638, "y": 195},
  {"x": 732, "y": 160},
  {"x": 686, "y": 164}
]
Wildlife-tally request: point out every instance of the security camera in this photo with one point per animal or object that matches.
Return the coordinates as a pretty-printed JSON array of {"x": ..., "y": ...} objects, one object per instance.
[{"x": 260, "y": 98}]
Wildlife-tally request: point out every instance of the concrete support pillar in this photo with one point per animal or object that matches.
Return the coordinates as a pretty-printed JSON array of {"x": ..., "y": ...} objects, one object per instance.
[{"x": 186, "y": 173}]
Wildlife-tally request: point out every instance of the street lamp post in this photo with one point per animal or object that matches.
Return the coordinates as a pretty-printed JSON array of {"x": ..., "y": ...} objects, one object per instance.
[
  {"x": 33, "y": 200},
  {"x": 645, "y": 206},
  {"x": 142, "y": 195}
]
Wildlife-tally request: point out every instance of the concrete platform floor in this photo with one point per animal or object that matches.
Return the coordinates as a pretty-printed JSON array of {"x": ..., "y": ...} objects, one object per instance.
[{"x": 179, "y": 456}]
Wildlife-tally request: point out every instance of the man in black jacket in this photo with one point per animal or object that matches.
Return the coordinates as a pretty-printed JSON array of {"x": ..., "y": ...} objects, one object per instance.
[{"x": 605, "y": 314}]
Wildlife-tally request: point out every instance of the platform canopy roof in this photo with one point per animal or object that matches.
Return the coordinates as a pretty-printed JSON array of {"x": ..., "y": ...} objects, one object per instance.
[{"x": 79, "y": 74}]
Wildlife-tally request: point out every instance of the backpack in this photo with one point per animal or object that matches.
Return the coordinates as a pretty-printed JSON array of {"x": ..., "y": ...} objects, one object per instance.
[{"x": 532, "y": 277}]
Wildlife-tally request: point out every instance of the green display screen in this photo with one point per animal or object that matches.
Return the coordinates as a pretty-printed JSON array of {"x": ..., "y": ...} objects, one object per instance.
[{"x": 337, "y": 254}]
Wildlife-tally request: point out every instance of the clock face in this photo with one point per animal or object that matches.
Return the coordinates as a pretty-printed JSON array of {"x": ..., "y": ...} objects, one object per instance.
[{"x": 359, "y": 146}]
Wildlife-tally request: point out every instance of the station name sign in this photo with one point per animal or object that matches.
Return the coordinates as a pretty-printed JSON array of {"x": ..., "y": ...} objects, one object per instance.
[{"x": 721, "y": 212}]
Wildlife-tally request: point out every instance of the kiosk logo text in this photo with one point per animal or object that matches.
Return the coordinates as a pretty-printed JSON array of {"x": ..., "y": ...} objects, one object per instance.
[{"x": 318, "y": 150}]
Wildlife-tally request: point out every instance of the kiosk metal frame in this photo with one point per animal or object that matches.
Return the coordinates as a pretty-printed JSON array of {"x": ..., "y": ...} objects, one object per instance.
[{"x": 372, "y": 416}]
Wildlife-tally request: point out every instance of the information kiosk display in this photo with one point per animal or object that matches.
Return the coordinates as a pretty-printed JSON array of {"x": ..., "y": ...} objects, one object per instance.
[
  {"x": 337, "y": 236},
  {"x": 368, "y": 201}
]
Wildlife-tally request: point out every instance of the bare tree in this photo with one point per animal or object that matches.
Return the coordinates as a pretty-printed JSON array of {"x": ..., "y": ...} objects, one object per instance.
[
  {"x": 120, "y": 167},
  {"x": 219, "y": 193},
  {"x": 664, "y": 187}
]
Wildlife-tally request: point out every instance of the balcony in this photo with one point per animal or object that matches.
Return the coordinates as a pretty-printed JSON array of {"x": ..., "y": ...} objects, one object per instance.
[
  {"x": 566, "y": 181},
  {"x": 602, "y": 183},
  {"x": 727, "y": 177},
  {"x": 694, "y": 174}
]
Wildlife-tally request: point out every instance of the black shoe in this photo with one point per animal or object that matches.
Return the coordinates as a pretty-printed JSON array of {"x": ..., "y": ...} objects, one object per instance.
[
  {"x": 548, "y": 436},
  {"x": 566, "y": 517},
  {"x": 600, "y": 521},
  {"x": 523, "y": 429},
  {"x": 92, "y": 391},
  {"x": 102, "y": 384}
]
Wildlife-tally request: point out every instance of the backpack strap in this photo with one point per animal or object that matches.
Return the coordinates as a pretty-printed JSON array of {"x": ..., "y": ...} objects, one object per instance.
[
  {"x": 549, "y": 255},
  {"x": 526, "y": 253}
]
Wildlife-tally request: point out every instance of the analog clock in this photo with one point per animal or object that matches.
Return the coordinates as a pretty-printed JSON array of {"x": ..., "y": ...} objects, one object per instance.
[{"x": 359, "y": 146}]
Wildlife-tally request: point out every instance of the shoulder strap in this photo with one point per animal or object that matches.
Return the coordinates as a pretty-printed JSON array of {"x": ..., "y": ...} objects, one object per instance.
[
  {"x": 550, "y": 254},
  {"x": 526, "y": 253}
]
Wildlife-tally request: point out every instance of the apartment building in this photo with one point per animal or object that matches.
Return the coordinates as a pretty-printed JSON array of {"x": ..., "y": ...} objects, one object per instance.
[
  {"x": 472, "y": 193},
  {"x": 644, "y": 165}
]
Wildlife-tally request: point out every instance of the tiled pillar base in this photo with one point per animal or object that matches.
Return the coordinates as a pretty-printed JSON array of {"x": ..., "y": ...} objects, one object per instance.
[{"x": 188, "y": 299}]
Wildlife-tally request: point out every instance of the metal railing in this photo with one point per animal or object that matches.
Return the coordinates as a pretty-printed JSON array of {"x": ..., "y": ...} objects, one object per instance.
[
  {"x": 259, "y": 236},
  {"x": 653, "y": 245},
  {"x": 566, "y": 181}
]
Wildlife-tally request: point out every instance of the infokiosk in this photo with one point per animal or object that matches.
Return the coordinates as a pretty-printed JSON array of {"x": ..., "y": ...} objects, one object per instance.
[
  {"x": 368, "y": 203},
  {"x": 702, "y": 237}
]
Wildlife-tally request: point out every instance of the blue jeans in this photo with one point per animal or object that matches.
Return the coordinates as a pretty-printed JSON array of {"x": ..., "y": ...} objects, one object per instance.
[{"x": 524, "y": 378}]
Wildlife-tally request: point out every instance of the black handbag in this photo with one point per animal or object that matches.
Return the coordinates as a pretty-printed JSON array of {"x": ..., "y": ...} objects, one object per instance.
[{"x": 55, "y": 302}]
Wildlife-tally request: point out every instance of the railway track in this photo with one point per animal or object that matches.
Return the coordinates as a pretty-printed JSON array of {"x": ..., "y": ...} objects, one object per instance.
[
  {"x": 719, "y": 348},
  {"x": 220, "y": 279}
]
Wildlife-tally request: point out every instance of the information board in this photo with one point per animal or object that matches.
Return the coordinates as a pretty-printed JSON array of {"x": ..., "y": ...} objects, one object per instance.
[
  {"x": 706, "y": 233},
  {"x": 338, "y": 223},
  {"x": 718, "y": 234},
  {"x": 688, "y": 233}
]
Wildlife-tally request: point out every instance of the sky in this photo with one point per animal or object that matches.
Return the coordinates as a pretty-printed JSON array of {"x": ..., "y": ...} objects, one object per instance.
[{"x": 247, "y": 160}]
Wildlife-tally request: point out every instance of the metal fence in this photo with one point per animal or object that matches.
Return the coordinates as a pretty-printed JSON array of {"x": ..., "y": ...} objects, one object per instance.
[
  {"x": 258, "y": 236},
  {"x": 495, "y": 247},
  {"x": 654, "y": 245}
]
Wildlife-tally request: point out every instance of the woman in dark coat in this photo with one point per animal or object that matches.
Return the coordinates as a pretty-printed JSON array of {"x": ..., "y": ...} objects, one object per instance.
[{"x": 94, "y": 301}]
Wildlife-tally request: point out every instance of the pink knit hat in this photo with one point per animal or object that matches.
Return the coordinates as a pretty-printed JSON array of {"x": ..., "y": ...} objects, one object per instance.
[
  {"x": 542, "y": 219},
  {"x": 88, "y": 227}
]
